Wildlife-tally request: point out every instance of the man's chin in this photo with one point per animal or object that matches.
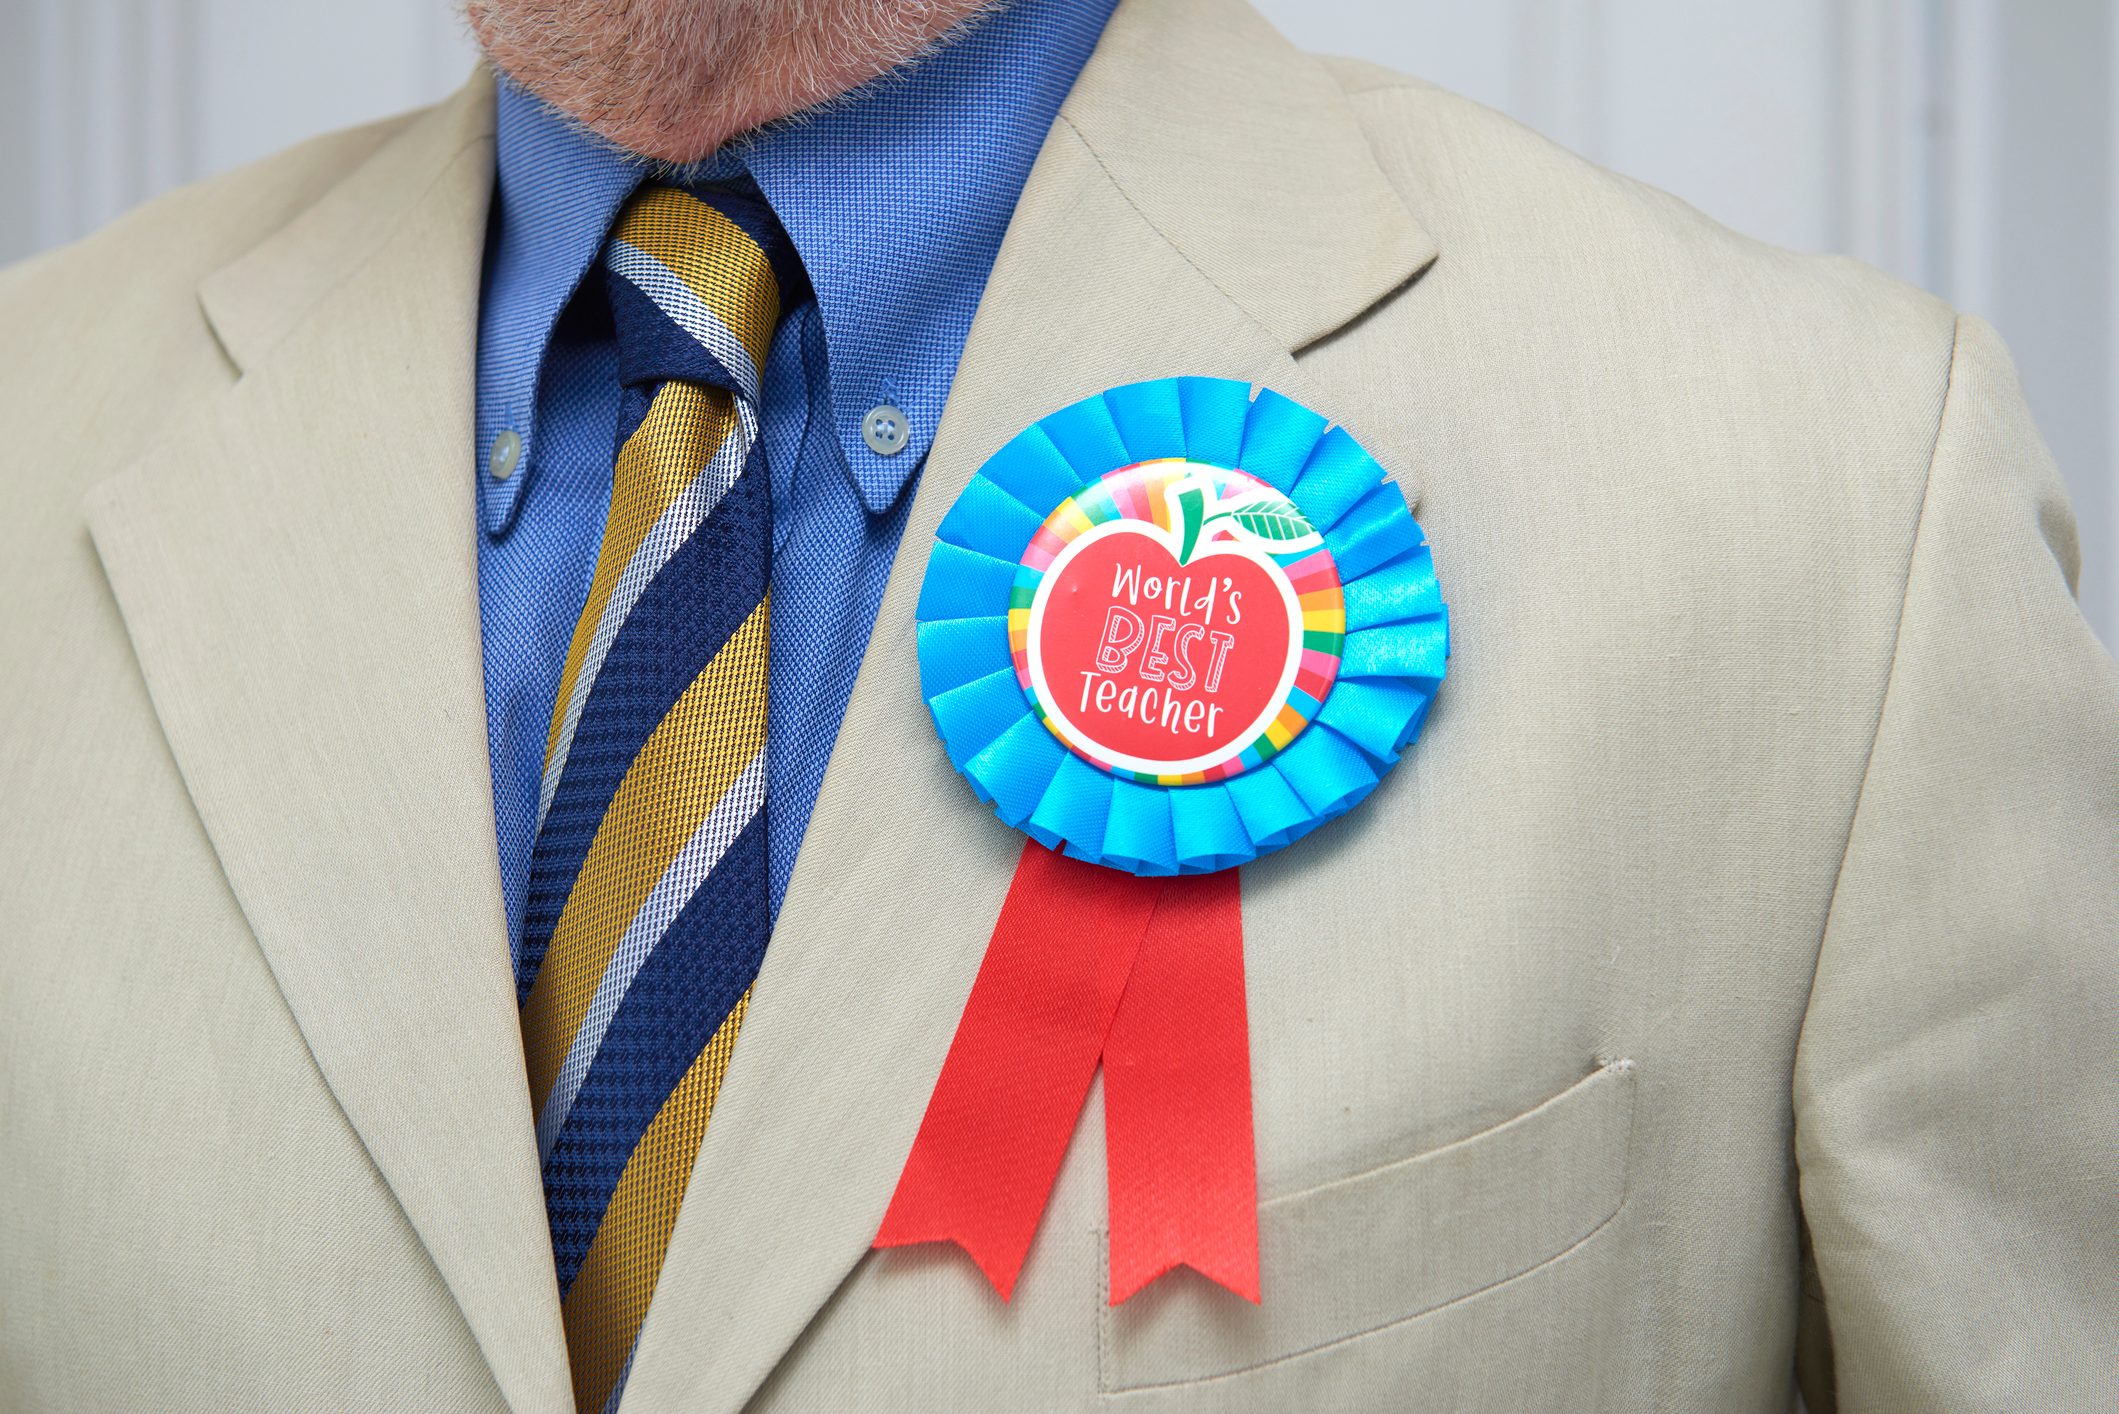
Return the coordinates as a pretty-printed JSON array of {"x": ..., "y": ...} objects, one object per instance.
[{"x": 672, "y": 81}]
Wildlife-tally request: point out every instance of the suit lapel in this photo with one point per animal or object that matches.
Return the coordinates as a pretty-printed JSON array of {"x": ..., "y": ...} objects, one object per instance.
[
  {"x": 297, "y": 570},
  {"x": 1205, "y": 204}
]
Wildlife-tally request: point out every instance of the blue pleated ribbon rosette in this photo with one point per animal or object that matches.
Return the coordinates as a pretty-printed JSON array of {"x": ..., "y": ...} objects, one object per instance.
[{"x": 1388, "y": 665}]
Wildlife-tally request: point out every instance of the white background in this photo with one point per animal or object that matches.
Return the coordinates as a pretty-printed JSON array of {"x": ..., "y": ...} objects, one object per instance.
[{"x": 1971, "y": 146}]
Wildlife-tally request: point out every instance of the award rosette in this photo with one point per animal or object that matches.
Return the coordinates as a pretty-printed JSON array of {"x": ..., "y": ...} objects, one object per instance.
[{"x": 1163, "y": 631}]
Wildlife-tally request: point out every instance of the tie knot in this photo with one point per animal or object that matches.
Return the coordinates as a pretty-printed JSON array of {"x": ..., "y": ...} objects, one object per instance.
[{"x": 697, "y": 285}]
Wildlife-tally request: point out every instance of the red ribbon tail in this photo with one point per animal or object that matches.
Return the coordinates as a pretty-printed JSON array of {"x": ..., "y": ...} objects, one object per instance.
[
  {"x": 1019, "y": 1069},
  {"x": 1183, "y": 1168}
]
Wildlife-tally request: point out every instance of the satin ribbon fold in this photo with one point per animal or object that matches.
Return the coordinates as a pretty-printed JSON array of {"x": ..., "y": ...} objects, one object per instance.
[{"x": 1144, "y": 976}]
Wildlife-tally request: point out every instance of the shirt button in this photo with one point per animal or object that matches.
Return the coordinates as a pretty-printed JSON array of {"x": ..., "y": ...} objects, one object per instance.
[
  {"x": 507, "y": 450},
  {"x": 885, "y": 430}
]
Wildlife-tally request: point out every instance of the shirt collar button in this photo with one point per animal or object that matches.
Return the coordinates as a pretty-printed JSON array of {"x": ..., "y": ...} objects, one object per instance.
[
  {"x": 507, "y": 451},
  {"x": 886, "y": 430}
]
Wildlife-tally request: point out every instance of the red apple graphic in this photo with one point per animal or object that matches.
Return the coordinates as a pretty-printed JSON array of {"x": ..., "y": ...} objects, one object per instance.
[{"x": 1152, "y": 665}]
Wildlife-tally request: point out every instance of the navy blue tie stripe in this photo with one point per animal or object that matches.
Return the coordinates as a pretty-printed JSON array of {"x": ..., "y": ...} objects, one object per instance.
[
  {"x": 688, "y": 612},
  {"x": 689, "y": 983}
]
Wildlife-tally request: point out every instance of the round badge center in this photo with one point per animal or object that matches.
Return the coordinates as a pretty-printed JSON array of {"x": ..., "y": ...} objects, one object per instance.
[{"x": 1176, "y": 622}]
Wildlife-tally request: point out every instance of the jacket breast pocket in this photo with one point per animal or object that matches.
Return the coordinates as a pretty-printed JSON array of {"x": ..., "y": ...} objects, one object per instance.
[{"x": 1381, "y": 1248}]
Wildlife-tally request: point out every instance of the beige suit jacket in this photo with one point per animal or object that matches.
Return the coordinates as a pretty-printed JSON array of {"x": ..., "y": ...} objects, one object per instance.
[{"x": 1750, "y": 893}]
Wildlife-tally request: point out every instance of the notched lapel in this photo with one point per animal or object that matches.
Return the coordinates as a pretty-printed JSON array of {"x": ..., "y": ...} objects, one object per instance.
[
  {"x": 297, "y": 571},
  {"x": 1102, "y": 281}
]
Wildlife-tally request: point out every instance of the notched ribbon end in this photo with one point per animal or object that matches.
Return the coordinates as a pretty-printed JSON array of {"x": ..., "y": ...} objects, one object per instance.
[
  {"x": 1238, "y": 1276},
  {"x": 999, "y": 1270}
]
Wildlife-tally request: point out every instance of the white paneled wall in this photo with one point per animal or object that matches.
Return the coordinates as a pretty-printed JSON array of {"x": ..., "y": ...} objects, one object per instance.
[
  {"x": 364, "y": 58},
  {"x": 1971, "y": 146},
  {"x": 108, "y": 102}
]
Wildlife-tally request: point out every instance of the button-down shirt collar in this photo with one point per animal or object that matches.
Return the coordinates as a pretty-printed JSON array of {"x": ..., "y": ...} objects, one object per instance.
[{"x": 896, "y": 199}]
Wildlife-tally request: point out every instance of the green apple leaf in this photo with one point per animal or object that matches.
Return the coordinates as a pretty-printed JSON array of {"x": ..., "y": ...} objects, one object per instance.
[{"x": 1274, "y": 521}]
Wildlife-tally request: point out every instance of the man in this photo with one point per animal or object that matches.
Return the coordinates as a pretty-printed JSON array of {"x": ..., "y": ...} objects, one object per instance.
[{"x": 1722, "y": 986}]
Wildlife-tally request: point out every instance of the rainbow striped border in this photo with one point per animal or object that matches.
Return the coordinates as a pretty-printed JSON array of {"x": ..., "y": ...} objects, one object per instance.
[
  {"x": 1136, "y": 493},
  {"x": 1390, "y": 661}
]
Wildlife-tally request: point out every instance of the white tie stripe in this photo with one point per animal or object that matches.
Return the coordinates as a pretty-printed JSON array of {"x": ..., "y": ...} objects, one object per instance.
[
  {"x": 738, "y": 805},
  {"x": 745, "y": 796},
  {"x": 685, "y": 514},
  {"x": 686, "y": 310}
]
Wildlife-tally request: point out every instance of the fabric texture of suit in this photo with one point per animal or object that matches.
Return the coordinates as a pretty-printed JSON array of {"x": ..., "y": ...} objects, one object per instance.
[{"x": 1750, "y": 893}]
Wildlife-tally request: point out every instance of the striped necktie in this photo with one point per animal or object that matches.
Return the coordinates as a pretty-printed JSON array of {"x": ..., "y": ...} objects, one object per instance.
[{"x": 648, "y": 905}]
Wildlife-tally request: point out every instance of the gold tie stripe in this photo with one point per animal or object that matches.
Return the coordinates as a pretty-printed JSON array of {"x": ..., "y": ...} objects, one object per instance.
[
  {"x": 685, "y": 425},
  {"x": 714, "y": 282},
  {"x": 714, "y": 257},
  {"x": 716, "y": 730},
  {"x": 610, "y": 1296}
]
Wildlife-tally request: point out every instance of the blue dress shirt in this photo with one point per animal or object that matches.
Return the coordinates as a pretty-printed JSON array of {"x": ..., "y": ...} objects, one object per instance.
[{"x": 896, "y": 200}]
